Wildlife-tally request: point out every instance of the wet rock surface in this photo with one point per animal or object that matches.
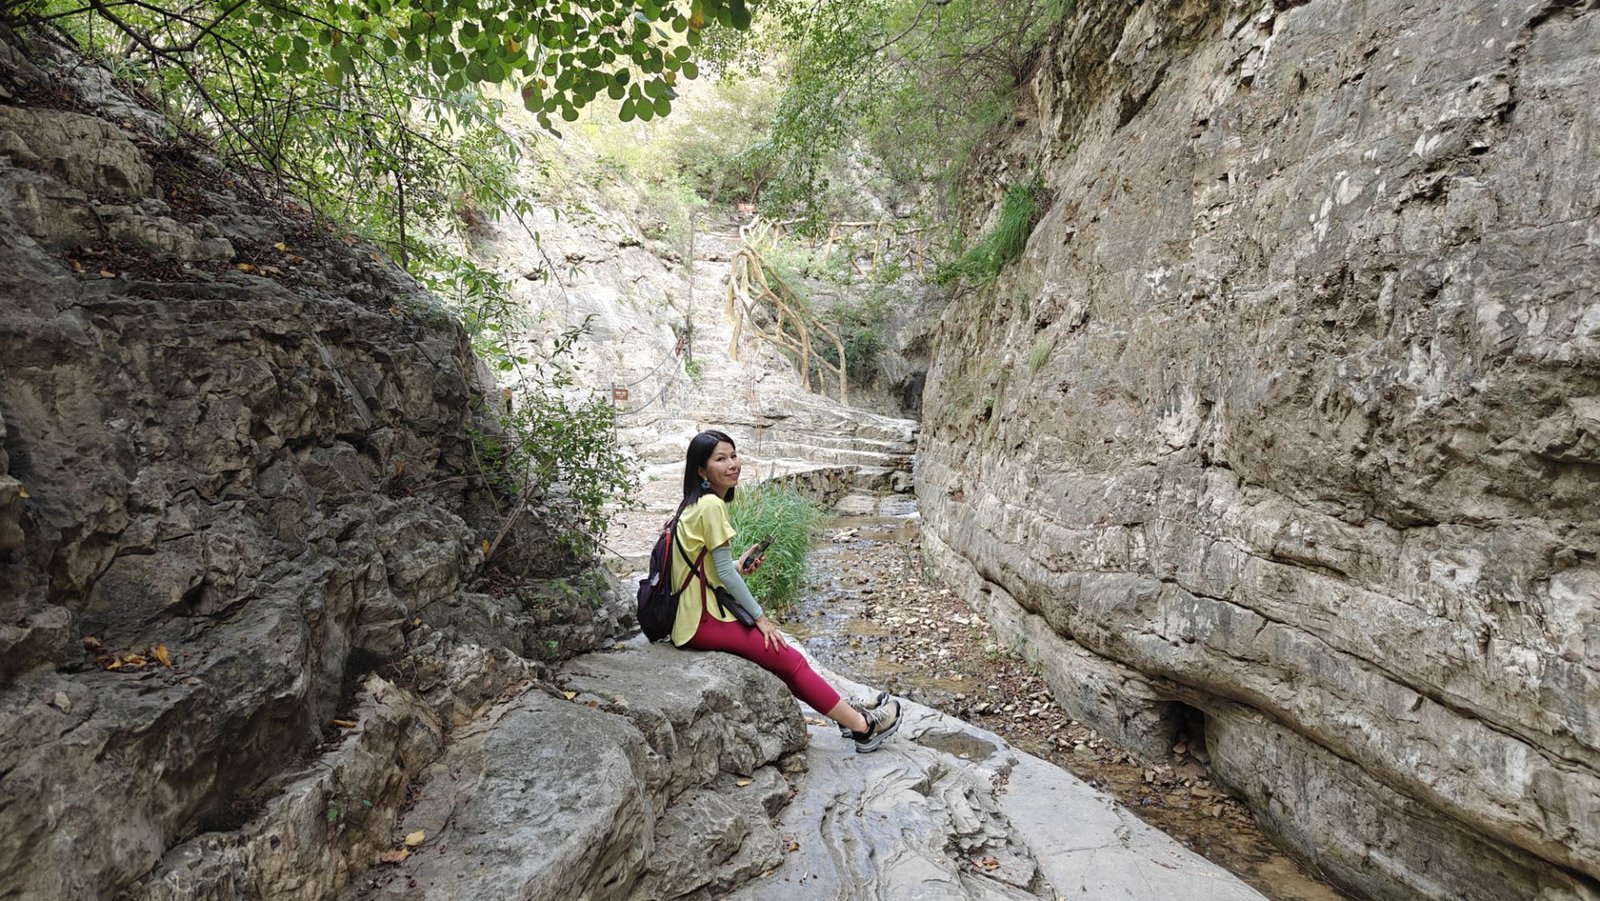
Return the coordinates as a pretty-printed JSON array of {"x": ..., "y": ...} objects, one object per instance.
[
  {"x": 948, "y": 810},
  {"x": 873, "y": 612},
  {"x": 1305, "y": 442}
]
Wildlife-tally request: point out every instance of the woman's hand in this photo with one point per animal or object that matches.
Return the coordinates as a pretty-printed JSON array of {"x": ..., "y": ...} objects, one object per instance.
[{"x": 770, "y": 634}]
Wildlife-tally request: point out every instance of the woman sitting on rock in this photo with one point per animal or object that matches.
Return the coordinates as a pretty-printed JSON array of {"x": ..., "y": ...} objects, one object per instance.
[{"x": 710, "y": 474}]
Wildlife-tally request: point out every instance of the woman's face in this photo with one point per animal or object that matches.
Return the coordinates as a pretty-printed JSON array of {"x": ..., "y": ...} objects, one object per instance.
[{"x": 722, "y": 470}]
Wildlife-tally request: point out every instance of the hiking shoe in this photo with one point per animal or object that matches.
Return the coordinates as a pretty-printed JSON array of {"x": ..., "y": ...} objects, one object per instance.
[
  {"x": 882, "y": 721},
  {"x": 844, "y": 731}
]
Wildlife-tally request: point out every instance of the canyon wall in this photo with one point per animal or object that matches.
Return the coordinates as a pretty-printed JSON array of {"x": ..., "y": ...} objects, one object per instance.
[
  {"x": 1289, "y": 417},
  {"x": 241, "y": 539}
]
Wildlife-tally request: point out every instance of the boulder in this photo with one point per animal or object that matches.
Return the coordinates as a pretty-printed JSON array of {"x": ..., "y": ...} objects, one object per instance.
[{"x": 650, "y": 773}]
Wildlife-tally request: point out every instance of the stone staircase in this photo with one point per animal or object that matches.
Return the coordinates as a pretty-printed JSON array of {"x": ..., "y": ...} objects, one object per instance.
[{"x": 782, "y": 429}]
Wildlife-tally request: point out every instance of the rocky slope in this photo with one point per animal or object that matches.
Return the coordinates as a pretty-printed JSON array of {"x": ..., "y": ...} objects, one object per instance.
[
  {"x": 1290, "y": 414},
  {"x": 237, "y": 526}
]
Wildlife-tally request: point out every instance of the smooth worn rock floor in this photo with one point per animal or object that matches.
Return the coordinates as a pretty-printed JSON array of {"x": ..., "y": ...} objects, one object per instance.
[{"x": 948, "y": 810}]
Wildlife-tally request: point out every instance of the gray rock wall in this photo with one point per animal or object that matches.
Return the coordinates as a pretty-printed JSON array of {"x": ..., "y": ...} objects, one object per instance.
[
  {"x": 1291, "y": 413},
  {"x": 229, "y": 437}
]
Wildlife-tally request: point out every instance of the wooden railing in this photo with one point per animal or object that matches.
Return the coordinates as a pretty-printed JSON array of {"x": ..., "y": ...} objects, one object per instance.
[
  {"x": 888, "y": 237},
  {"x": 793, "y": 325},
  {"x": 753, "y": 285}
]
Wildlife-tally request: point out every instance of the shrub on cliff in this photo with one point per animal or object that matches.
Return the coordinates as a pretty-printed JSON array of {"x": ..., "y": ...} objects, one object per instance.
[{"x": 1001, "y": 244}]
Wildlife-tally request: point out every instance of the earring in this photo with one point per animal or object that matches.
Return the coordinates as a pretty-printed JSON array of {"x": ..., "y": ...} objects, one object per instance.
[{"x": 705, "y": 484}]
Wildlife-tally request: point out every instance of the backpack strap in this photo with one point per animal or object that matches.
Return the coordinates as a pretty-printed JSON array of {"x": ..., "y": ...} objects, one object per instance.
[
  {"x": 694, "y": 567},
  {"x": 695, "y": 570}
]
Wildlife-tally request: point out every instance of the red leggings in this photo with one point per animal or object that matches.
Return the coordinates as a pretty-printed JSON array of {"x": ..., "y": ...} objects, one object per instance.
[{"x": 788, "y": 664}]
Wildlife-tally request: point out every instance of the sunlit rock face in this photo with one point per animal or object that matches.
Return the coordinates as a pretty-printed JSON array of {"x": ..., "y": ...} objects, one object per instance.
[{"x": 1290, "y": 414}]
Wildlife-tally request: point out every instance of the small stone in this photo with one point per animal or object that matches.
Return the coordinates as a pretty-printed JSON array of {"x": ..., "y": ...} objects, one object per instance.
[{"x": 61, "y": 702}]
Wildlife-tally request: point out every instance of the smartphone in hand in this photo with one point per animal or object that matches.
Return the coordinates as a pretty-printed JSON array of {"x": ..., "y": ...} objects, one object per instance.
[{"x": 748, "y": 563}]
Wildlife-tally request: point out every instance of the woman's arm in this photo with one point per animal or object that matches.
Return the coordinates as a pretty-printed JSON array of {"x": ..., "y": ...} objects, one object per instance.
[{"x": 728, "y": 571}]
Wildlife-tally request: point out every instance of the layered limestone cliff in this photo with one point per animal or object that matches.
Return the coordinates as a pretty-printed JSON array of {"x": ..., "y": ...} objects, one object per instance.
[{"x": 1289, "y": 417}]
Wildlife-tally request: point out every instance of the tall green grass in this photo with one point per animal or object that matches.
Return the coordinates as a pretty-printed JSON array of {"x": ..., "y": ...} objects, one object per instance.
[
  {"x": 778, "y": 511},
  {"x": 1002, "y": 244}
]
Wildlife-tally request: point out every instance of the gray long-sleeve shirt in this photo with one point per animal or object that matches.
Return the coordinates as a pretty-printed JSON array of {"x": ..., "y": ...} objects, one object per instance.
[{"x": 728, "y": 571}]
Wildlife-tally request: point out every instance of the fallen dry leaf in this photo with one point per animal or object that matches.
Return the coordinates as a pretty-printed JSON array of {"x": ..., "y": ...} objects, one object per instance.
[
  {"x": 741, "y": 782},
  {"x": 92, "y": 644},
  {"x": 281, "y": 247},
  {"x": 414, "y": 839},
  {"x": 162, "y": 655},
  {"x": 395, "y": 856},
  {"x": 107, "y": 273},
  {"x": 247, "y": 267},
  {"x": 987, "y": 863},
  {"x": 343, "y": 724},
  {"x": 569, "y": 695}
]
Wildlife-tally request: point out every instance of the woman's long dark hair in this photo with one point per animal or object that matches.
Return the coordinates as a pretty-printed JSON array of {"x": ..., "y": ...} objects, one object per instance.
[{"x": 701, "y": 447}]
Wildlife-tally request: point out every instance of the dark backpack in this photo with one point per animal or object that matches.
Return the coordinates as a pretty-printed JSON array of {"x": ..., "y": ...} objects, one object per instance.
[{"x": 658, "y": 603}]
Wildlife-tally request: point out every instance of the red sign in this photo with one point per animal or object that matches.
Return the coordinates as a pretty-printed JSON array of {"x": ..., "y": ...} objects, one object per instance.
[{"x": 619, "y": 394}]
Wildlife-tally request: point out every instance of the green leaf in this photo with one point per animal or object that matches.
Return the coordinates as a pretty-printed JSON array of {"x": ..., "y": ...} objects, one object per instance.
[
  {"x": 663, "y": 106},
  {"x": 626, "y": 112}
]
